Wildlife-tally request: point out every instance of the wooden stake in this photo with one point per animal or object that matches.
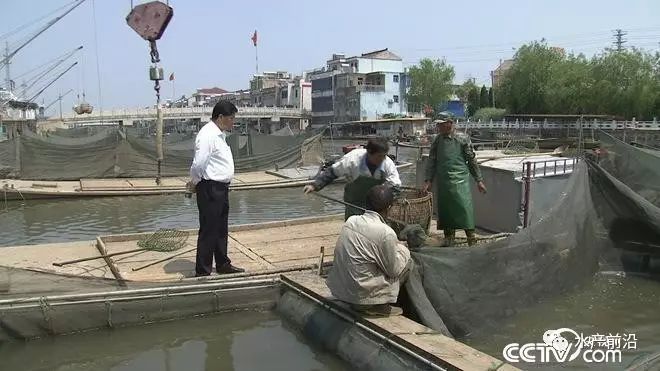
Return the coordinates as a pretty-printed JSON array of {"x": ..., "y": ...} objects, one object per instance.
[{"x": 321, "y": 256}]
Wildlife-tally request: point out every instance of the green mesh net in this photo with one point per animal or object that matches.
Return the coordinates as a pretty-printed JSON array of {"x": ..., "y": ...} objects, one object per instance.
[{"x": 164, "y": 240}]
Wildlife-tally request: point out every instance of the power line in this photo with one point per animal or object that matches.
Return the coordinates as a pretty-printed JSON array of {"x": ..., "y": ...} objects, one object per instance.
[
  {"x": 48, "y": 63},
  {"x": 28, "y": 24},
  {"x": 619, "y": 39}
]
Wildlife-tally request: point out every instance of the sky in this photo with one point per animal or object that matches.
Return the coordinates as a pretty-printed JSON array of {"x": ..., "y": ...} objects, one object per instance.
[{"x": 208, "y": 42}]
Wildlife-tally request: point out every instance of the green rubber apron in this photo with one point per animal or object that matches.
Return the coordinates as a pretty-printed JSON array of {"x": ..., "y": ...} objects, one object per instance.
[
  {"x": 356, "y": 193},
  {"x": 452, "y": 182}
]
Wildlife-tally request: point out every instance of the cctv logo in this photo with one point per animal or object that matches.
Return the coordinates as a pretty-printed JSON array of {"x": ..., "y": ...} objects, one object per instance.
[{"x": 556, "y": 347}]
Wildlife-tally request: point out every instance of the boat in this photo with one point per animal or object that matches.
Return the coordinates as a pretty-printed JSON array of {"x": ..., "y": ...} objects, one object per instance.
[{"x": 17, "y": 189}]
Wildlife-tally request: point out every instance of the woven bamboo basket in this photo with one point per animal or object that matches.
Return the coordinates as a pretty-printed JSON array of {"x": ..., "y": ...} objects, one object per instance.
[{"x": 414, "y": 206}]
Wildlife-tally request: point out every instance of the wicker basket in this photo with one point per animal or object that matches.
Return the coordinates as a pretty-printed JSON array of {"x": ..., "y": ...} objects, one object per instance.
[{"x": 414, "y": 206}]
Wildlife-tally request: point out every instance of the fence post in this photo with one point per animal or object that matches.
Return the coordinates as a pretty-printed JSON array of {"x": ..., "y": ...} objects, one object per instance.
[{"x": 527, "y": 180}]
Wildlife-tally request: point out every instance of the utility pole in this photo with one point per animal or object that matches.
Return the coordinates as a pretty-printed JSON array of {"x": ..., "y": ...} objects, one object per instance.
[
  {"x": 60, "y": 99},
  {"x": 7, "y": 63},
  {"x": 492, "y": 85},
  {"x": 618, "y": 39}
]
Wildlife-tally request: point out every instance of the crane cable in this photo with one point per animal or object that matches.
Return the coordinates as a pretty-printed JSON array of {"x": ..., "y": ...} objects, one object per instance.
[
  {"x": 28, "y": 24},
  {"x": 98, "y": 64}
]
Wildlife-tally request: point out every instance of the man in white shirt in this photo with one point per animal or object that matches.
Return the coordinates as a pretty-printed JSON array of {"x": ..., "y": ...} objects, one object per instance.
[
  {"x": 369, "y": 263},
  {"x": 363, "y": 169},
  {"x": 211, "y": 172}
]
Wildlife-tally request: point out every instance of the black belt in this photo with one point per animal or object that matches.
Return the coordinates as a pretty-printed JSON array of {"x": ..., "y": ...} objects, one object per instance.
[{"x": 216, "y": 182}]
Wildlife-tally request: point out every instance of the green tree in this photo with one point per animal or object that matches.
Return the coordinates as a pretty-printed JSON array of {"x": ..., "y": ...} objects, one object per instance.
[
  {"x": 489, "y": 113},
  {"x": 431, "y": 83},
  {"x": 490, "y": 97},
  {"x": 463, "y": 90},
  {"x": 626, "y": 83},
  {"x": 622, "y": 83},
  {"x": 483, "y": 97},
  {"x": 569, "y": 89},
  {"x": 473, "y": 101},
  {"x": 524, "y": 85}
]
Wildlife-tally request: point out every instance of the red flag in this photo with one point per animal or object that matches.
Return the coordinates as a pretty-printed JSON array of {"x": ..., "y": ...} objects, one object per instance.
[
  {"x": 254, "y": 38},
  {"x": 172, "y": 76}
]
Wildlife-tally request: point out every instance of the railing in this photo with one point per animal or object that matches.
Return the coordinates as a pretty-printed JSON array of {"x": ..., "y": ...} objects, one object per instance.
[
  {"x": 138, "y": 113},
  {"x": 530, "y": 170},
  {"x": 371, "y": 88},
  {"x": 545, "y": 124}
]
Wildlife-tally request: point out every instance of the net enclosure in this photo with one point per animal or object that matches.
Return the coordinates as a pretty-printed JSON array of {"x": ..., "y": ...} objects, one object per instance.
[
  {"x": 608, "y": 210},
  {"x": 131, "y": 153}
]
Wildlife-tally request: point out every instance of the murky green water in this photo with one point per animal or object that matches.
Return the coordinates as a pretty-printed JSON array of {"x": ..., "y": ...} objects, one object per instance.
[
  {"x": 607, "y": 305},
  {"x": 231, "y": 341},
  {"x": 59, "y": 220}
]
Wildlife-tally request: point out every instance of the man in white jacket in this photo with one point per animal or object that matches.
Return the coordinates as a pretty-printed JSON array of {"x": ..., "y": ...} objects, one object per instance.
[
  {"x": 363, "y": 168},
  {"x": 369, "y": 263}
]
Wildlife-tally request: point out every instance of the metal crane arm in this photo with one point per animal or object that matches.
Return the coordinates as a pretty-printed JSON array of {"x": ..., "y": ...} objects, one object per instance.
[
  {"x": 57, "y": 99},
  {"x": 52, "y": 82},
  {"x": 42, "y": 30}
]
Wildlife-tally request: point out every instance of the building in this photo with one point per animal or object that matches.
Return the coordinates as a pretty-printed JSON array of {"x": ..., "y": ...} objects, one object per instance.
[
  {"x": 365, "y": 87},
  {"x": 241, "y": 98},
  {"x": 206, "y": 97},
  {"x": 498, "y": 74},
  {"x": 280, "y": 89},
  {"x": 266, "y": 80},
  {"x": 387, "y": 127},
  {"x": 15, "y": 114}
]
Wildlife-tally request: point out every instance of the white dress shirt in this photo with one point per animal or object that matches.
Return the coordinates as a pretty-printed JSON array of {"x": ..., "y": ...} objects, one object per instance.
[
  {"x": 354, "y": 165},
  {"x": 213, "y": 159}
]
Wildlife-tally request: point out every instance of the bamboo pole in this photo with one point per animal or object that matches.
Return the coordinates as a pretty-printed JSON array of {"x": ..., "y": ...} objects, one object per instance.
[
  {"x": 61, "y": 264},
  {"x": 100, "y": 245},
  {"x": 163, "y": 259}
]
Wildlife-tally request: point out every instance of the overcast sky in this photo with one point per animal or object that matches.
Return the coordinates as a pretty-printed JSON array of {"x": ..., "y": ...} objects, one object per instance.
[{"x": 208, "y": 41}]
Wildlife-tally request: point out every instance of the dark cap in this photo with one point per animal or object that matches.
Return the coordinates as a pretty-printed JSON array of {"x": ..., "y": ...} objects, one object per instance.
[{"x": 442, "y": 121}]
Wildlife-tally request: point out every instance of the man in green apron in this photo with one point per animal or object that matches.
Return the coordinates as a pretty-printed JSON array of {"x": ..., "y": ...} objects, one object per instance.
[
  {"x": 451, "y": 162},
  {"x": 363, "y": 169}
]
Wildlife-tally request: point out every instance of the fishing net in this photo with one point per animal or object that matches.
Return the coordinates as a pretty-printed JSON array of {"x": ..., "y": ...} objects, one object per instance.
[
  {"x": 521, "y": 145},
  {"x": 164, "y": 240},
  {"x": 131, "y": 153},
  {"x": 37, "y": 304},
  {"x": 637, "y": 168},
  {"x": 594, "y": 223}
]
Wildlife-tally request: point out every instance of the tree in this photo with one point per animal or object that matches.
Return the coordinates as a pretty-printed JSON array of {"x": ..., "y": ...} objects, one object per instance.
[
  {"x": 569, "y": 89},
  {"x": 623, "y": 83},
  {"x": 473, "y": 101},
  {"x": 626, "y": 83},
  {"x": 524, "y": 85},
  {"x": 490, "y": 97},
  {"x": 468, "y": 93},
  {"x": 430, "y": 83},
  {"x": 483, "y": 97},
  {"x": 489, "y": 113}
]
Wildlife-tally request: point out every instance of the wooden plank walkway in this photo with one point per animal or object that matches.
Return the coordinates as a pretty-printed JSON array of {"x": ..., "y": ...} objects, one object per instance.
[
  {"x": 434, "y": 346},
  {"x": 259, "y": 248}
]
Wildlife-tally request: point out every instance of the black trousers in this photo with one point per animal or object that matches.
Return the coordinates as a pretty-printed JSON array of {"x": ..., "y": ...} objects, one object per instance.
[{"x": 213, "y": 205}]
